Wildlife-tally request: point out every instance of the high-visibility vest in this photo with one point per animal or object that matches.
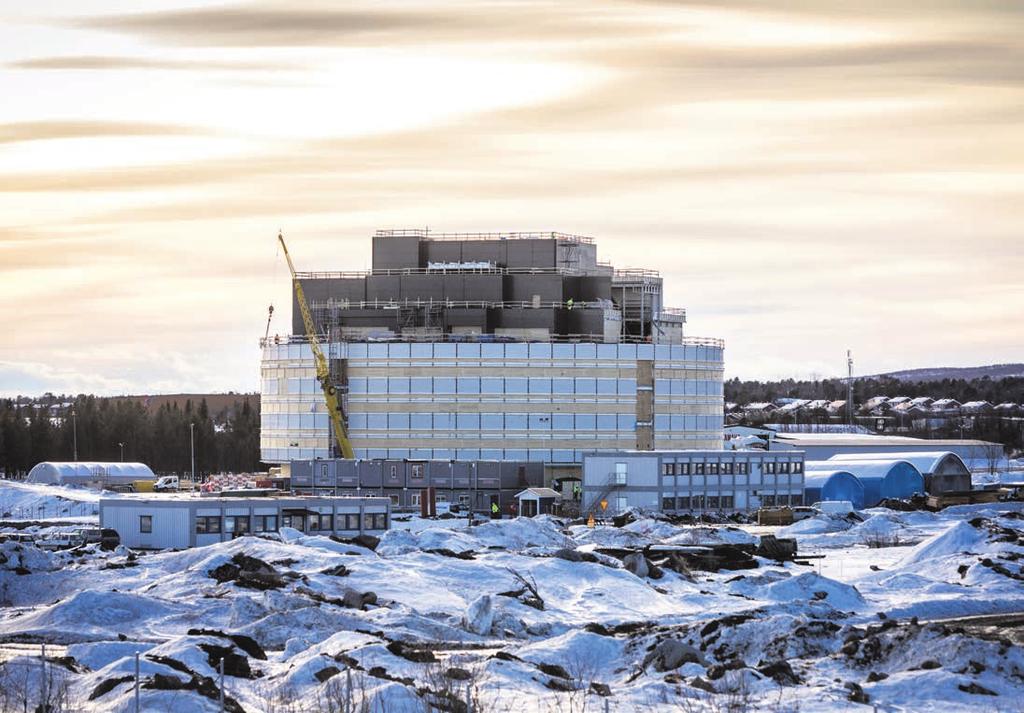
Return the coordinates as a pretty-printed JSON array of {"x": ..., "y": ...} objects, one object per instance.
[{"x": 494, "y": 507}]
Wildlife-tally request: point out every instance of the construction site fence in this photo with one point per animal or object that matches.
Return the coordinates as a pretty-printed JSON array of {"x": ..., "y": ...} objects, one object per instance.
[{"x": 493, "y": 339}]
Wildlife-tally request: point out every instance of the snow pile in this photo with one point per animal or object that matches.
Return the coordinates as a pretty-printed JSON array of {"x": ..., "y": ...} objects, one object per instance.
[{"x": 813, "y": 587}]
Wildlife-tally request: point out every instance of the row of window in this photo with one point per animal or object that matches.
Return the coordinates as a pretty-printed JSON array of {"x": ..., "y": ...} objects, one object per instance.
[
  {"x": 728, "y": 468},
  {"x": 512, "y": 350},
  {"x": 317, "y": 522},
  {"x": 724, "y": 502}
]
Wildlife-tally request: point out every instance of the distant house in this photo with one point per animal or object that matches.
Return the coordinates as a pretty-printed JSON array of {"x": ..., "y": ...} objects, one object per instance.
[
  {"x": 945, "y": 405},
  {"x": 835, "y": 408},
  {"x": 922, "y": 401},
  {"x": 760, "y": 407},
  {"x": 976, "y": 407},
  {"x": 874, "y": 402},
  {"x": 897, "y": 400},
  {"x": 1008, "y": 408}
]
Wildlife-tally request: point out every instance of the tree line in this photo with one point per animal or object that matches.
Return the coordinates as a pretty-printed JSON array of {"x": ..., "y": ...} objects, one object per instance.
[
  {"x": 46, "y": 429},
  {"x": 963, "y": 390}
]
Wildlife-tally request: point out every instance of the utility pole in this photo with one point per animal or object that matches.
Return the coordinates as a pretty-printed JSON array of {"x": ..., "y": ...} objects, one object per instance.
[
  {"x": 122, "y": 451},
  {"x": 74, "y": 424},
  {"x": 192, "y": 436},
  {"x": 849, "y": 387}
]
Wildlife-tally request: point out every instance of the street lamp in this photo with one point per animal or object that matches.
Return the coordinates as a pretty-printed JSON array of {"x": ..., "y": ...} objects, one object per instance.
[
  {"x": 74, "y": 422},
  {"x": 122, "y": 451},
  {"x": 192, "y": 435}
]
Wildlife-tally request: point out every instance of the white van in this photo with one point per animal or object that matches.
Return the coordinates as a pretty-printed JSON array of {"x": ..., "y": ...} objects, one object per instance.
[
  {"x": 166, "y": 483},
  {"x": 834, "y": 507}
]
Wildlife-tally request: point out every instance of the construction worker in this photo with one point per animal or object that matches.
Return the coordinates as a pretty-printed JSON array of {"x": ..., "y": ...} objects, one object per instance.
[
  {"x": 568, "y": 303},
  {"x": 495, "y": 510}
]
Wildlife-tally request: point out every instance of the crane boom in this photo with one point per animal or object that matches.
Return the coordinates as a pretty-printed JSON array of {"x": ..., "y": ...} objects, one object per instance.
[{"x": 323, "y": 372}]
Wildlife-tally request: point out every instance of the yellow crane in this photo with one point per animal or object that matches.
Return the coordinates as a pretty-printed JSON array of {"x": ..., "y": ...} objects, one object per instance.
[{"x": 323, "y": 372}]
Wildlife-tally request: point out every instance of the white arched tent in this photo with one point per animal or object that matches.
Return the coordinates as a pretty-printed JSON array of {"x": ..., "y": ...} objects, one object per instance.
[{"x": 58, "y": 473}]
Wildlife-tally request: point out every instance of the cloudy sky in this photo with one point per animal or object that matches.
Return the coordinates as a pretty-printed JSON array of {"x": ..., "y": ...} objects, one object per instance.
[{"x": 809, "y": 175}]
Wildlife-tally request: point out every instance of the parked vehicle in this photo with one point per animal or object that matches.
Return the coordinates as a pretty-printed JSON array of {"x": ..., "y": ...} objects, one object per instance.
[
  {"x": 167, "y": 483},
  {"x": 802, "y": 512},
  {"x": 834, "y": 507}
]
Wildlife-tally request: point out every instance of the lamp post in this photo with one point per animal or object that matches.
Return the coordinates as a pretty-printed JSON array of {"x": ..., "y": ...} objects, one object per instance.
[
  {"x": 192, "y": 436},
  {"x": 74, "y": 426},
  {"x": 122, "y": 451}
]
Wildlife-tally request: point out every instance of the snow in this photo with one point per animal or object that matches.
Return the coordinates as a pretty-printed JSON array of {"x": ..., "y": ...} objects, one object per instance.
[{"x": 598, "y": 622}]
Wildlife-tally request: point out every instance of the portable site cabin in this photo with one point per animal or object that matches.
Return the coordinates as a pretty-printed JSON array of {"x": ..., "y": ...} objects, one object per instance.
[
  {"x": 837, "y": 484},
  {"x": 881, "y": 478},
  {"x": 943, "y": 471},
  {"x": 178, "y": 522},
  {"x": 91, "y": 474},
  {"x": 537, "y": 501}
]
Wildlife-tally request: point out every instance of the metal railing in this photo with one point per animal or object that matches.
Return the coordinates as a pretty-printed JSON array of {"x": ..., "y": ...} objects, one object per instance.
[
  {"x": 352, "y": 274},
  {"x": 489, "y": 339},
  {"x": 426, "y": 234},
  {"x": 459, "y": 304}
]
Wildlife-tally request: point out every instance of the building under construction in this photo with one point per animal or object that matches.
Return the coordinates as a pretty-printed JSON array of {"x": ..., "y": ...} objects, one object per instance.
[{"x": 491, "y": 346}]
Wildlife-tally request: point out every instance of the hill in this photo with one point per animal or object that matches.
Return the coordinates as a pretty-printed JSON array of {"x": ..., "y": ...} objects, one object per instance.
[{"x": 992, "y": 371}]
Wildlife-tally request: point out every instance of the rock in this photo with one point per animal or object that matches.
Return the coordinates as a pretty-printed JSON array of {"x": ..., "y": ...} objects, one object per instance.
[
  {"x": 601, "y": 689},
  {"x": 368, "y": 541},
  {"x": 234, "y": 664},
  {"x": 930, "y": 664},
  {"x": 108, "y": 685},
  {"x": 325, "y": 674},
  {"x": 353, "y": 599},
  {"x": 248, "y": 572},
  {"x": 553, "y": 670},
  {"x": 457, "y": 674},
  {"x": 670, "y": 654},
  {"x": 445, "y": 552},
  {"x": 703, "y": 685},
  {"x": 336, "y": 571},
  {"x": 163, "y": 682},
  {"x": 780, "y": 672},
  {"x": 876, "y": 676},
  {"x": 637, "y": 564},
  {"x": 718, "y": 670},
  {"x": 400, "y": 648},
  {"x": 560, "y": 684},
  {"x": 857, "y": 694},
  {"x": 976, "y": 689},
  {"x": 568, "y": 554},
  {"x": 246, "y": 643},
  {"x": 479, "y": 616},
  {"x": 975, "y": 667}
]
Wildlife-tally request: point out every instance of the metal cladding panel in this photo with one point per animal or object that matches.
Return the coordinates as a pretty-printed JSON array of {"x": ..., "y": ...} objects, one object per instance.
[
  {"x": 494, "y": 251},
  {"x": 467, "y": 318},
  {"x": 513, "y": 475},
  {"x": 515, "y": 318},
  {"x": 371, "y": 473},
  {"x": 441, "y": 251},
  {"x": 582, "y": 321},
  {"x": 589, "y": 288},
  {"x": 393, "y": 466},
  {"x": 368, "y": 318},
  {"x": 522, "y": 288},
  {"x": 302, "y": 472},
  {"x": 488, "y": 474},
  {"x": 462, "y": 474},
  {"x": 383, "y": 287},
  {"x": 396, "y": 253},
  {"x": 325, "y": 473},
  {"x": 439, "y": 473},
  {"x": 532, "y": 253},
  {"x": 453, "y": 287},
  {"x": 422, "y": 287},
  {"x": 347, "y": 473},
  {"x": 483, "y": 288}
]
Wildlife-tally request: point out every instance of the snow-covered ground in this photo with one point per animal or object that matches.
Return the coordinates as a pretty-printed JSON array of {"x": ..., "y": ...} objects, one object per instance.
[{"x": 438, "y": 611}]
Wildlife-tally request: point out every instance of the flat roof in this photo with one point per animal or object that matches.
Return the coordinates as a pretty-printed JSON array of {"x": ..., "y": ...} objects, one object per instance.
[
  {"x": 871, "y": 439},
  {"x": 163, "y": 499}
]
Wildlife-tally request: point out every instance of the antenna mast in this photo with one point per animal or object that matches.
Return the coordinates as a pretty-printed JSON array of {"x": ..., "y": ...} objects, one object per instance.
[{"x": 849, "y": 387}]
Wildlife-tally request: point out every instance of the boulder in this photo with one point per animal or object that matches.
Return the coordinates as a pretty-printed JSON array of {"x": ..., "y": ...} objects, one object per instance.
[
  {"x": 479, "y": 616},
  {"x": 637, "y": 564},
  {"x": 670, "y": 654}
]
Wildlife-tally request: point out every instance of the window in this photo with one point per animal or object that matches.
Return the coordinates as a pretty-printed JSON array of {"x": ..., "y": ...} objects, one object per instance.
[
  {"x": 698, "y": 468},
  {"x": 394, "y": 500},
  {"x": 742, "y": 468},
  {"x": 323, "y": 470},
  {"x": 728, "y": 502},
  {"x": 417, "y": 471},
  {"x": 464, "y": 499},
  {"x": 783, "y": 467},
  {"x": 415, "y": 499},
  {"x": 798, "y": 467},
  {"x": 668, "y": 468},
  {"x": 668, "y": 503},
  {"x": 768, "y": 500},
  {"x": 380, "y": 521},
  {"x": 326, "y": 523},
  {"x": 351, "y": 521},
  {"x": 145, "y": 523},
  {"x": 713, "y": 502},
  {"x": 712, "y": 468},
  {"x": 682, "y": 468},
  {"x": 620, "y": 474},
  {"x": 265, "y": 523},
  {"x": 236, "y": 524},
  {"x": 769, "y": 467},
  {"x": 727, "y": 468},
  {"x": 393, "y": 472},
  {"x": 313, "y": 524},
  {"x": 207, "y": 525},
  {"x": 684, "y": 503}
]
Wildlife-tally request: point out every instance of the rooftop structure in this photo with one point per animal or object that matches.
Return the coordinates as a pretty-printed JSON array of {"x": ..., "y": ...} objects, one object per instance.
[
  {"x": 491, "y": 346},
  {"x": 95, "y": 474}
]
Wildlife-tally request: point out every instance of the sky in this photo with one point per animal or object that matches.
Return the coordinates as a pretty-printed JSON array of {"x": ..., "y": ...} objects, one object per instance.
[{"x": 809, "y": 176}]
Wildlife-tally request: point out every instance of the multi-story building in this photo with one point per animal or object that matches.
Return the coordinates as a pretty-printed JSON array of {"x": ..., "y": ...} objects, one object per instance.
[
  {"x": 692, "y": 481},
  {"x": 512, "y": 346}
]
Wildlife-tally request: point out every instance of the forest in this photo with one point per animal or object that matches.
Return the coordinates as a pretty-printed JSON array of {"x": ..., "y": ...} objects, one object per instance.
[{"x": 46, "y": 429}]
